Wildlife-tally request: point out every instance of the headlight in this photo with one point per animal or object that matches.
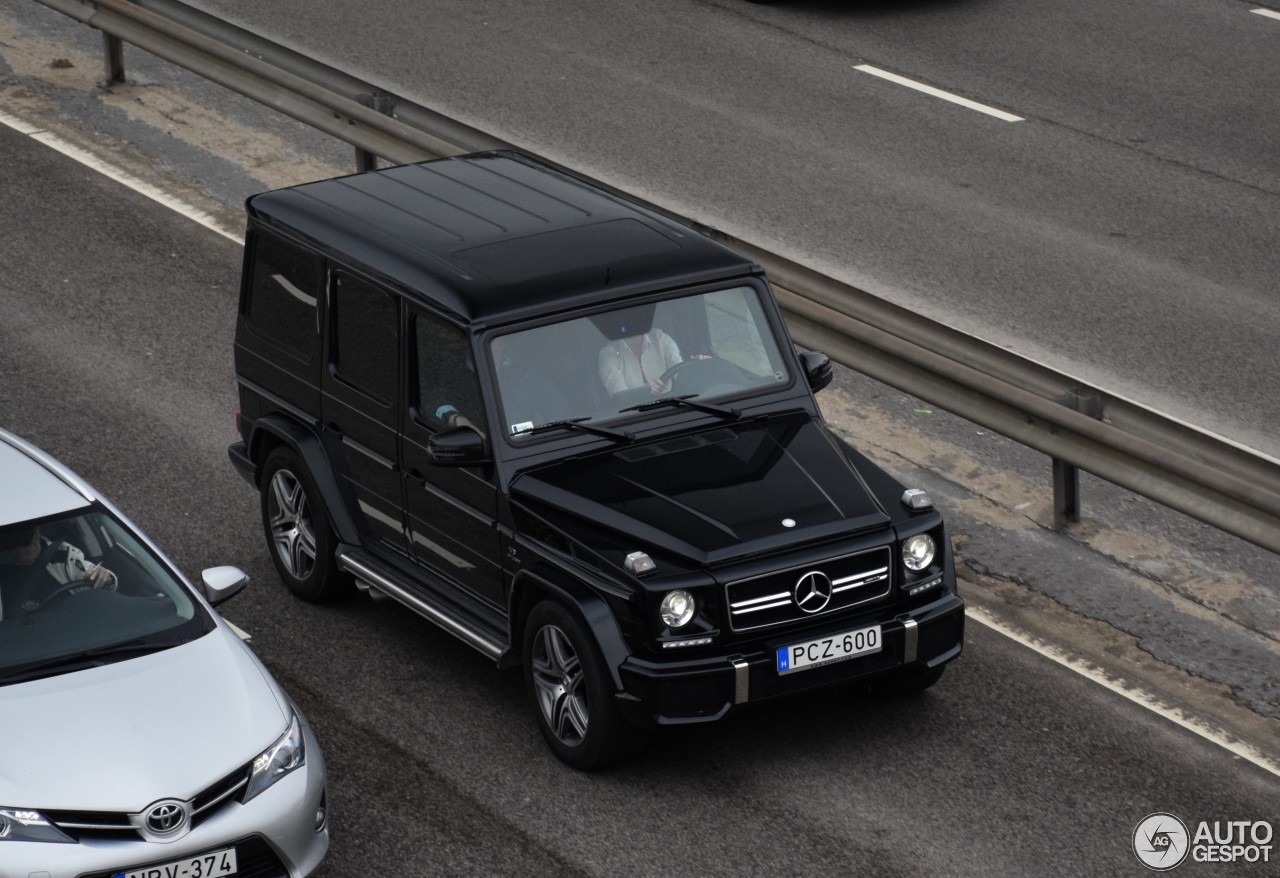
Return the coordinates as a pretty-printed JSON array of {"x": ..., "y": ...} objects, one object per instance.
[
  {"x": 918, "y": 551},
  {"x": 277, "y": 760},
  {"x": 17, "y": 824},
  {"x": 677, "y": 608}
]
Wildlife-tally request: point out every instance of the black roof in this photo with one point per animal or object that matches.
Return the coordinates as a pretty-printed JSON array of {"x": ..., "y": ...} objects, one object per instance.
[{"x": 494, "y": 233}]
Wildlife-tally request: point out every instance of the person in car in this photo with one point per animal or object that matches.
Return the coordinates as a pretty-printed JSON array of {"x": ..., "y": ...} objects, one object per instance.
[
  {"x": 638, "y": 360},
  {"x": 23, "y": 584}
]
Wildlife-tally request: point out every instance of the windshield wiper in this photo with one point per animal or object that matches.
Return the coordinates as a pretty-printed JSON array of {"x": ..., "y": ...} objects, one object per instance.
[
  {"x": 88, "y": 658},
  {"x": 687, "y": 402},
  {"x": 577, "y": 424}
]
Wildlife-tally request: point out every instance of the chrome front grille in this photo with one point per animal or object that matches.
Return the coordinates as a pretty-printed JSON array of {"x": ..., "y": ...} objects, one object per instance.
[
  {"x": 118, "y": 824},
  {"x": 798, "y": 592}
]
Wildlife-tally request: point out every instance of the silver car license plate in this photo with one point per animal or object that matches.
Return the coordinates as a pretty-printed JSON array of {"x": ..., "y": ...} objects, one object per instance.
[{"x": 214, "y": 864}]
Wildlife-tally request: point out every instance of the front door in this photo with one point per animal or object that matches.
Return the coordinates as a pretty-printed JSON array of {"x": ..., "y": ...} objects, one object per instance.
[{"x": 451, "y": 512}]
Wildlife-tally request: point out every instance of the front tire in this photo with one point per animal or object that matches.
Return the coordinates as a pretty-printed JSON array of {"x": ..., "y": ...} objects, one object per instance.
[
  {"x": 571, "y": 692},
  {"x": 299, "y": 537}
]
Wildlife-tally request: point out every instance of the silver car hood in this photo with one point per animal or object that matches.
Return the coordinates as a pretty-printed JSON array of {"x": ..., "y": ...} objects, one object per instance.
[{"x": 119, "y": 737}]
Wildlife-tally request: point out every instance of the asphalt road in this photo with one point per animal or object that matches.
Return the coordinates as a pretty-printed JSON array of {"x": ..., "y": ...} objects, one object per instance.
[
  {"x": 1124, "y": 231},
  {"x": 115, "y": 356}
]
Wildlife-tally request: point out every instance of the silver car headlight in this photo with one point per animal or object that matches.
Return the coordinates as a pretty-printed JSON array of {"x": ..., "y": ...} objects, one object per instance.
[
  {"x": 676, "y": 609},
  {"x": 918, "y": 552},
  {"x": 277, "y": 760},
  {"x": 19, "y": 824}
]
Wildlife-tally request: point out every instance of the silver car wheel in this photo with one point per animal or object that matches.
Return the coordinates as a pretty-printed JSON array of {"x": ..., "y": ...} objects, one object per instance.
[
  {"x": 560, "y": 685},
  {"x": 290, "y": 522}
]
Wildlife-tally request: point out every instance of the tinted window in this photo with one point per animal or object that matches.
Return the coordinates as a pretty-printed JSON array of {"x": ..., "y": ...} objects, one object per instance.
[
  {"x": 282, "y": 293},
  {"x": 365, "y": 336},
  {"x": 446, "y": 374}
]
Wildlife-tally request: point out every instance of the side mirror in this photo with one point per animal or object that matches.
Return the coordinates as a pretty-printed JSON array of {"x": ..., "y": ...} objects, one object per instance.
[
  {"x": 223, "y": 583},
  {"x": 817, "y": 368},
  {"x": 461, "y": 446}
]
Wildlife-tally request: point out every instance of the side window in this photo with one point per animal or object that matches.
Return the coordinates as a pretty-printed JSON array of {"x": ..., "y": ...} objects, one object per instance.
[
  {"x": 282, "y": 293},
  {"x": 448, "y": 391},
  {"x": 365, "y": 348}
]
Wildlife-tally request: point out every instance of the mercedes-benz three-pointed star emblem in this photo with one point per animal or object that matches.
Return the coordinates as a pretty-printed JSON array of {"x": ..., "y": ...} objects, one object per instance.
[{"x": 813, "y": 591}]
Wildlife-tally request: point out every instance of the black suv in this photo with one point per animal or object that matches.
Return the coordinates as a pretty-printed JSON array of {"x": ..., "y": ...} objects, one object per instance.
[{"x": 576, "y": 435}]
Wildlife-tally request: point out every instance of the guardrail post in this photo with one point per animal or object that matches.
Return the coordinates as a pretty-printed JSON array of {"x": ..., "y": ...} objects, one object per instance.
[
  {"x": 1066, "y": 476},
  {"x": 383, "y": 103},
  {"x": 113, "y": 52}
]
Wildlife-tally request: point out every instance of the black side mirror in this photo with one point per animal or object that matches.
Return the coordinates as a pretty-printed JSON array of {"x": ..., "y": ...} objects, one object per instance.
[
  {"x": 817, "y": 368},
  {"x": 461, "y": 446}
]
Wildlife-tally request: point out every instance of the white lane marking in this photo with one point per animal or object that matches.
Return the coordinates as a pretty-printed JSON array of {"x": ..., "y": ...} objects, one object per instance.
[
  {"x": 1122, "y": 687},
  {"x": 1269, "y": 13},
  {"x": 89, "y": 160},
  {"x": 1097, "y": 676},
  {"x": 938, "y": 93}
]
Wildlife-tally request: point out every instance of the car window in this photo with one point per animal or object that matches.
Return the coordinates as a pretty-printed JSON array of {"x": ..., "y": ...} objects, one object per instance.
[
  {"x": 714, "y": 345},
  {"x": 446, "y": 375},
  {"x": 282, "y": 294},
  {"x": 50, "y": 607},
  {"x": 365, "y": 336}
]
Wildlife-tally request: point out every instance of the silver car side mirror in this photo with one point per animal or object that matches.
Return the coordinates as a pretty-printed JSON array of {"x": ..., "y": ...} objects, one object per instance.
[{"x": 222, "y": 583}]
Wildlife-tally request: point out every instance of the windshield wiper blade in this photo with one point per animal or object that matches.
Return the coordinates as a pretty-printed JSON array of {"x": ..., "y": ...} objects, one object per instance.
[
  {"x": 577, "y": 424},
  {"x": 88, "y": 658},
  {"x": 687, "y": 402}
]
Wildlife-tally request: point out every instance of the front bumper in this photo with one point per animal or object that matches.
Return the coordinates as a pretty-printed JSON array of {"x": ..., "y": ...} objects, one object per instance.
[
  {"x": 705, "y": 689},
  {"x": 275, "y": 836}
]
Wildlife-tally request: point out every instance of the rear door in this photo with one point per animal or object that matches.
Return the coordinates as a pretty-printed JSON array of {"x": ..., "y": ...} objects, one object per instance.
[{"x": 360, "y": 395}]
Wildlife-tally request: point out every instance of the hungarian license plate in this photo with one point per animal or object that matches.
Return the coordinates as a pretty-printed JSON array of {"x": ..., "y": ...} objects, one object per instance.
[
  {"x": 826, "y": 650},
  {"x": 214, "y": 864}
]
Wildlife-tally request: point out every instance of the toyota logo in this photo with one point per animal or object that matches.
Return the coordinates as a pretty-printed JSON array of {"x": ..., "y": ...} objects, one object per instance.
[
  {"x": 166, "y": 818},
  {"x": 813, "y": 591}
]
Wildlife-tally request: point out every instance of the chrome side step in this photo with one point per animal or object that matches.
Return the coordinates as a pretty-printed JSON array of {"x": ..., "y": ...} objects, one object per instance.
[{"x": 377, "y": 581}]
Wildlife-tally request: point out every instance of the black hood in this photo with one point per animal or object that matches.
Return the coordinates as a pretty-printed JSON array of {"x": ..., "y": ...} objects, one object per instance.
[{"x": 718, "y": 494}]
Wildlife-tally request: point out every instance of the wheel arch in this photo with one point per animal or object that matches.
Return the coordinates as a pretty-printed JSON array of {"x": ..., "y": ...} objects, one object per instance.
[
  {"x": 276, "y": 431},
  {"x": 533, "y": 586}
]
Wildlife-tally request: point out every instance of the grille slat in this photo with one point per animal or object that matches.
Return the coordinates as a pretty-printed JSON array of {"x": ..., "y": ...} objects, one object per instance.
[{"x": 769, "y": 599}]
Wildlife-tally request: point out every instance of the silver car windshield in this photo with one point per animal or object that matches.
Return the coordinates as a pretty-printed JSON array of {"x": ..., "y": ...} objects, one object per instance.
[
  {"x": 82, "y": 590},
  {"x": 611, "y": 365}
]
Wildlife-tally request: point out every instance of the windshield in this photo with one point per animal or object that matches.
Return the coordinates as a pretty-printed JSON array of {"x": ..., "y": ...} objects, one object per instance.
[
  {"x": 603, "y": 366},
  {"x": 81, "y": 582}
]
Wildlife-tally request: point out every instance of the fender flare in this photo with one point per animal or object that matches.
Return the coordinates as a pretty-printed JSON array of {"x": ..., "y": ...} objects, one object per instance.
[
  {"x": 530, "y": 586},
  {"x": 307, "y": 446}
]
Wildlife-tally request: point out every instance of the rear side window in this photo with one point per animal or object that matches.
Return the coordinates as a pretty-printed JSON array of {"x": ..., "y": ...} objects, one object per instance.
[
  {"x": 365, "y": 346},
  {"x": 282, "y": 294}
]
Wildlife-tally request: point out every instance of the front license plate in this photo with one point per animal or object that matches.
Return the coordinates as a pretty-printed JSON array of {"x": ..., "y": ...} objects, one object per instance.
[
  {"x": 825, "y": 650},
  {"x": 214, "y": 864}
]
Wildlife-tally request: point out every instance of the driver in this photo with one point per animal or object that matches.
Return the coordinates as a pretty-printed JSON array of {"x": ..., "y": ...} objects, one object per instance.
[
  {"x": 22, "y": 582},
  {"x": 638, "y": 360}
]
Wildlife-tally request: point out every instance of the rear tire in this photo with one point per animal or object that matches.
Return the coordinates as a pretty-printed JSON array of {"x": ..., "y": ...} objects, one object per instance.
[
  {"x": 299, "y": 536},
  {"x": 572, "y": 693}
]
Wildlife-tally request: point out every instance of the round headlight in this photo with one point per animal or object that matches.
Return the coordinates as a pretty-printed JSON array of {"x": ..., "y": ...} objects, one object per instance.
[
  {"x": 918, "y": 551},
  {"x": 677, "y": 608}
]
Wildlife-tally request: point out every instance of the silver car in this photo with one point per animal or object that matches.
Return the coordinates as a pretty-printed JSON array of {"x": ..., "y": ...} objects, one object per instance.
[{"x": 139, "y": 735}]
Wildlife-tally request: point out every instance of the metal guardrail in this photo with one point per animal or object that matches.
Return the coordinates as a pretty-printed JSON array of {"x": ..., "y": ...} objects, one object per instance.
[{"x": 1079, "y": 426}]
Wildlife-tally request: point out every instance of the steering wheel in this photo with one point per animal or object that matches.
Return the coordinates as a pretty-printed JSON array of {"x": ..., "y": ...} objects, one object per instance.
[
  {"x": 671, "y": 373},
  {"x": 73, "y": 586}
]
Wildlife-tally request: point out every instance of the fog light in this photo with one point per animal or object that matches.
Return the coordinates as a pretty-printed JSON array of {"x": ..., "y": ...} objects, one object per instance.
[
  {"x": 918, "y": 551},
  {"x": 321, "y": 817},
  {"x": 677, "y": 608}
]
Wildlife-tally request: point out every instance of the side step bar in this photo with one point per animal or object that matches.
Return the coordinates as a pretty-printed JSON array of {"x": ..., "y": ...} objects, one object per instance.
[{"x": 376, "y": 575}]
